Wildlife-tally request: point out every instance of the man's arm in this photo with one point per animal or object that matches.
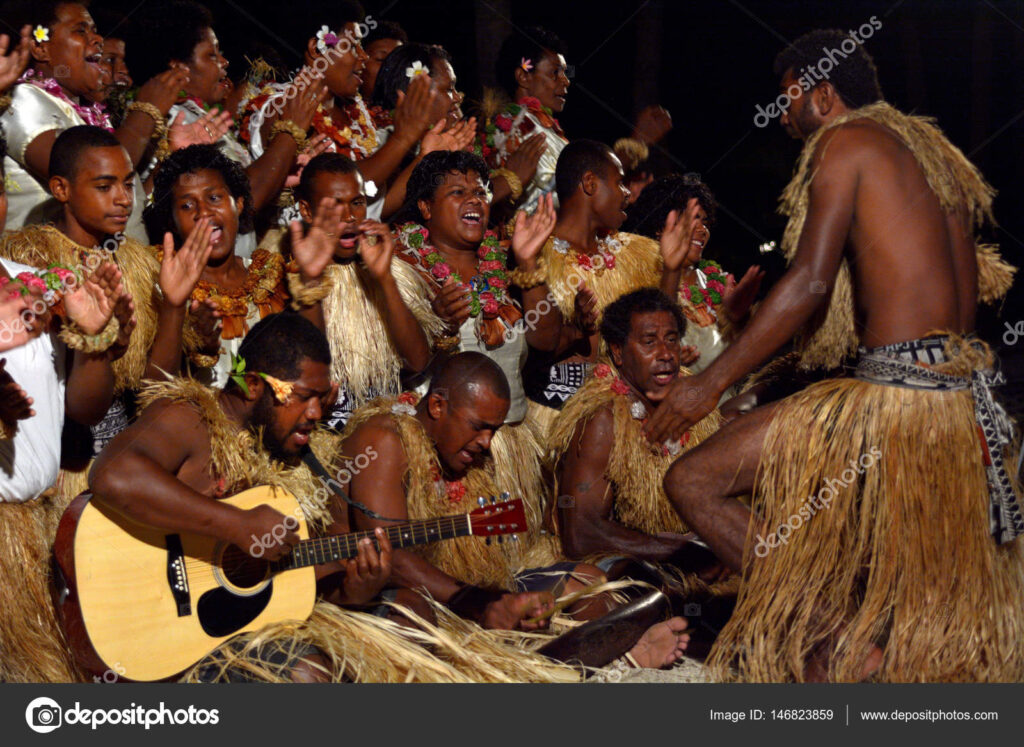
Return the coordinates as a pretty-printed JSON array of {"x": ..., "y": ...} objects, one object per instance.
[
  {"x": 90, "y": 387},
  {"x": 136, "y": 474},
  {"x": 793, "y": 300},
  {"x": 586, "y": 500}
]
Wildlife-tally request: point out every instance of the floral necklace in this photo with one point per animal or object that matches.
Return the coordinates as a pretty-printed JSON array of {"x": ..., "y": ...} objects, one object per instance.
[
  {"x": 709, "y": 291},
  {"x": 262, "y": 288},
  {"x": 604, "y": 259},
  {"x": 486, "y": 144},
  {"x": 453, "y": 490},
  {"x": 489, "y": 302},
  {"x": 357, "y": 138},
  {"x": 95, "y": 115},
  {"x": 637, "y": 408}
]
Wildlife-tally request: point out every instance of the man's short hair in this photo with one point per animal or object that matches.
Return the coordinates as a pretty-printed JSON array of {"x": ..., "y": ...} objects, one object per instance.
[
  {"x": 464, "y": 371},
  {"x": 854, "y": 75},
  {"x": 162, "y": 33},
  {"x": 72, "y": 143},
  {"x": 278, "y": 343},
  {"x": 618, "y": 315},
  {"x": 429, "y": 174},
  {"x": 575, "y": 160},
  {"x": 159, "y": 215},
  {"x": 325, "y": 163},
  {"x": 647, "y": 215},
  {"x": 391, "y": 77},
  {"x": 386, "y": 30},
  {"x": 529, "y": 44}
]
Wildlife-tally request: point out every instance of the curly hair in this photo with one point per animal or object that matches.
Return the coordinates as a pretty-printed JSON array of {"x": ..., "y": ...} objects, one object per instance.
[
  {"x": 854, "y": 75},
  {"x": 392, "y": 78},
  {"x": 429, "y": 175},
  {"x": 618, "y": 315},
  {"x": 159, "y": 215},
  {"x": 672, "y": 192},
  {"x": 163, "y": 33},
  {"x": 529, "y": 44},
  {"x": 278, "y": 343}
]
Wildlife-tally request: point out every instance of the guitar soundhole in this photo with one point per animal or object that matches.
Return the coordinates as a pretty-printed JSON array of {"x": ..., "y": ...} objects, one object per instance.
[{"x": 242, "y": 569}]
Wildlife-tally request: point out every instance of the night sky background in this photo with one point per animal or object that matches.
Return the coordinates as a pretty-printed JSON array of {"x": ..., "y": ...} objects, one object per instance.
[{"x": 709, "y": 62}]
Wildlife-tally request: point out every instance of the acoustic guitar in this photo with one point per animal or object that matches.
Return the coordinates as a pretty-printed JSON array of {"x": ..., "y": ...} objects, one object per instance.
[{"x": 146, "y": 604}]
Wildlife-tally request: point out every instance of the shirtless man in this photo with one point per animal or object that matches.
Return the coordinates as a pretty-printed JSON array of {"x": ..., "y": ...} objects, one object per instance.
[
  {"x": 163, "y": 471},
  {"x": 871, "y": 210},
  {"x": 450, "y": 430}
]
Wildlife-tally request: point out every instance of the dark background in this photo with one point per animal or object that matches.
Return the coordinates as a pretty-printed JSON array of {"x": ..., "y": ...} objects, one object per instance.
[{"x": 709, "y": 62}]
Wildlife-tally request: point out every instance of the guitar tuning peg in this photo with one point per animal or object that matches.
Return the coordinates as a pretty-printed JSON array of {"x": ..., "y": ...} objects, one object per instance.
[
  {"x": 493, "y": 500},
  {"x": 505, "y": 495},
  {"x": 481, "y": 501},
  {"x": 515, "y": 538},
  {"x": 487, "y": 540},
  {"x": 500, "y": 539}
]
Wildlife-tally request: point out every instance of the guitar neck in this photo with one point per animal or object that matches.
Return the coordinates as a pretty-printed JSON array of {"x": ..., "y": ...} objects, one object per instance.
[{"x": 344, "y": 546}]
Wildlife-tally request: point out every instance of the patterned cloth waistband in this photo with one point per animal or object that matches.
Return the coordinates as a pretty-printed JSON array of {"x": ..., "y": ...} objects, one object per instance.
[{"x": 904, "y": 365}]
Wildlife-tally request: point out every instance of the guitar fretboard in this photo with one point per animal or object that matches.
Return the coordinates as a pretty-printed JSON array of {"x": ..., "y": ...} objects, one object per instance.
[{"x": 343, "y": 546}]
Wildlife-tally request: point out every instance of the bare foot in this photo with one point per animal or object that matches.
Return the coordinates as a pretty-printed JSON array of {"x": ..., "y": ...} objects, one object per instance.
[{"x": 662, "y": 645}]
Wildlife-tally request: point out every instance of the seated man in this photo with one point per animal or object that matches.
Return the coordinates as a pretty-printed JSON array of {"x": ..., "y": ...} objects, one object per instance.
[
  {"x": 610, "y": 498},
  {"x": 428, "y": 460},
  {"x": 583, "y": 267},
  {"x": 193, "y": 445}
]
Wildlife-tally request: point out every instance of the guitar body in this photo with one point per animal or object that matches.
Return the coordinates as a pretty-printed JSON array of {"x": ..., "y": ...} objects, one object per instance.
[{"x": 146, "y": 604}]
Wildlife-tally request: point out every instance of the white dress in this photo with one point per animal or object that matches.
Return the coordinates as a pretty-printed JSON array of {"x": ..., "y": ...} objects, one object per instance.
[{"x": 30, "y": 461}]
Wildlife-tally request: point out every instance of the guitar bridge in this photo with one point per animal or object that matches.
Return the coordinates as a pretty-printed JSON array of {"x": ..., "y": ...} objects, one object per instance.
[{"x": 177, "y": 578}]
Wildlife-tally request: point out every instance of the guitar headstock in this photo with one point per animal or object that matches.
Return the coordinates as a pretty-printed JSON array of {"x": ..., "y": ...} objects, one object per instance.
[{"x": 495, "y": 519}]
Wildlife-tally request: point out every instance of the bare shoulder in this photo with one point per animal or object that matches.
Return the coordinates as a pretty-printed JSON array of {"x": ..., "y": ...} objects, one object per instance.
[
  {"x": 378, "y": 434},
  {"x": 594, "y": 435},
  {"x": 170, "y": 433},
  {"x": 856, "y": 140}
]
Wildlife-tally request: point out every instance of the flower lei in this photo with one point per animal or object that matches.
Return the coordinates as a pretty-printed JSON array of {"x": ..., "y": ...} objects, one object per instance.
[
  {"x": 453, "y": 490},
  {"x": 95, "y": 114},
  {"x": 486, "y": 144},
  {"x": 638, "y": 411},
  {"x": 713, "y": 292},
  {"x": 357, "y": 139},
  {"x": 263, "y": 287},
  {"x": 50, "y": 283},
  {"x": 607, "y": 248},
  {"x": 488, "y": 290}
]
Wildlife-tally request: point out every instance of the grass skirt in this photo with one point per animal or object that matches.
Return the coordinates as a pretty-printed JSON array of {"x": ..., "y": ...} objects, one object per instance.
[
  {"x": 32, "y": 646},
  {"x": 871, "y": 526}
]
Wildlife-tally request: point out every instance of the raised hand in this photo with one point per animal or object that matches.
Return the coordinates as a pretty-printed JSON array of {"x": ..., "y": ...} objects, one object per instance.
[
  {"x": 180, "y": 270},
  {"x": 206, "y": 322},
  {"x": 652, "y": 124},
  {"x": 524, "y": 161},
  {"x": 162, "y": 90},
  {"x": 376, "y": 247},
  {"x": 688, "y": 354},
  {"x": 688, "y": 400},
  {"x": 314, "y": 251},
  {"x": 206, "y": 130},
  {"x": 676, "y": 237},
  {"x": 301, "y": 108},
  {"x": 13, "y": 62},
  {"x": 314, "y": 147},
  {"x": 124, "y": 312},
  {"x": 369, "y": 570},
  {"x": 19, "y": 325},
  {"x": 532, "y": 231},
  {"x": 415, "y": 107},
  {"x": 585, "y": 310},
  {"x": 15, "y": 404},
  {"x": 457, "y": 137},
  {"x": 738, "y": 297},
  {"x": 92, "y": 303},
  {"x": 451, "y": 303}
]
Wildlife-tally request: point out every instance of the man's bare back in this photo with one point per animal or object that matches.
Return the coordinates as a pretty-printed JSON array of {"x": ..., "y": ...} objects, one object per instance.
[{"x": 913, "y": 266}]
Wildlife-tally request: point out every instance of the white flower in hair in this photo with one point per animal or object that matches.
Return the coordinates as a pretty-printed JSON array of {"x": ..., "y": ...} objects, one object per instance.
[
  {"x": 370, "y": 188},
  {"x": 400, "y": 408},
  {"x": 417, "y": 68},
  {"x": 325, "y": 38},
  {"x": 41, "y": 34}
]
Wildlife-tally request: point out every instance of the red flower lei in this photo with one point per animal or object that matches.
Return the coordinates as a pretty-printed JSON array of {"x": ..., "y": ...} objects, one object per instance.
[
  {"x": 455, "y": 490},
  {"x": 357, "y": 138}
]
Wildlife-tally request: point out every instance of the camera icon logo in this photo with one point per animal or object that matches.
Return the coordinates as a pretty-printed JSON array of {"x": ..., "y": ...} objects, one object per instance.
[
  {"x": 43, "y": 715},
  {"x": 691, "y": 610}
]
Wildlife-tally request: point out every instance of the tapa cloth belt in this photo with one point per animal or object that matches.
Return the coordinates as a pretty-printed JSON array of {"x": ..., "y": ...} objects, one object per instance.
[{"x": 898, "y": 365}]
